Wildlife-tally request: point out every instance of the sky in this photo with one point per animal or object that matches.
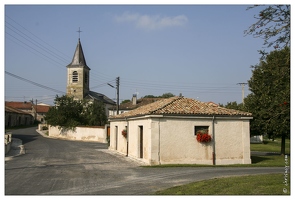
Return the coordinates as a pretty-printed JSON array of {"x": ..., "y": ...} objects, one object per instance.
[{"x": 199, "y": 51}]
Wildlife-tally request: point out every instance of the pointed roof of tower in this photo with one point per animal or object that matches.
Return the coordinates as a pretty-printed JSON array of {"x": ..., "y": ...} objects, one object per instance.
[{"x": 78, "y": 59}]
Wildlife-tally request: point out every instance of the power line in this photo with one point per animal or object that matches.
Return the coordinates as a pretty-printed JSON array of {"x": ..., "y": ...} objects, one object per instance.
[
  {"x": 35, "y": 47},
  {"x": 36, "y": 36},
  {"x": 35, "y": 43},
  {"x": 34, "y": 83}
]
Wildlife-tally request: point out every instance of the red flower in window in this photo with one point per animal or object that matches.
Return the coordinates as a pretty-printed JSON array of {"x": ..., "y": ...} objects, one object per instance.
[
  {"x": 124, "y": 133},
  {"x": 203, "y": 136}
]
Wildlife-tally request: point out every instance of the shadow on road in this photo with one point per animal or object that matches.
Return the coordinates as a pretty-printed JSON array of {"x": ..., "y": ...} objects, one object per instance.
[{"x": 25, "y": 138}]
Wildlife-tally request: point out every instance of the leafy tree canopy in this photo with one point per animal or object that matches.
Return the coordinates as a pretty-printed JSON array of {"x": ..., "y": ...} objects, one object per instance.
[
  {"x": 165, "y": 95},
  {"x": 272, "y": 25},
  {"x": 69, "y": 113},
  {"x": 269, "y": 101},
  {"x": 233, "y": 105},
  {"x": 125, "y": 101}
]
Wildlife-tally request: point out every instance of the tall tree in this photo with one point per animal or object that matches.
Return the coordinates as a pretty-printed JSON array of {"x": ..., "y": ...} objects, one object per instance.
[
  {"x": 66, "y": 113},
  {"x": 270, "y": 98},
  {"x": 272, "y": 25},
  {"x": 69, "y": 113},
  {"x": 94, "y": 114}
]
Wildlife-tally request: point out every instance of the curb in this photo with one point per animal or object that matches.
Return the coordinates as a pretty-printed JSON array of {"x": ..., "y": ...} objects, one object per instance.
[
  {"x": 43, "y": 134},
  {"x": 17, "y": 149}
]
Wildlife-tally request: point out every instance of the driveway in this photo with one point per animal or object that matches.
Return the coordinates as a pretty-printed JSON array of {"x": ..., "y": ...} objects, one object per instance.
[{"x": 61, "y": 167}]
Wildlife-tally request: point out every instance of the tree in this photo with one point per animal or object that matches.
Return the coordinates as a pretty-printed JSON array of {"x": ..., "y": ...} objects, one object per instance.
[
  {"x": 165, "y": 95},
  {"x": 150, "y": 96},
  {"x": 273, "y": 26},
  {"x": 125, "y": 101},
  {"x": 94, "y": 114},
  {"x": 66, "y": 113},
  {"x": 69, "y": 113},
  {"x": 233, "y": 105},
  {"x": 269, "y": 101}
]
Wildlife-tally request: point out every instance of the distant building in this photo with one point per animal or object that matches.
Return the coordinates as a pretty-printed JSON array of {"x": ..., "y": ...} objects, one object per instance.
[
  {"x": 78, "y": 78},
  {"x": 38, "y": 112},
  {"x": 16, "y": 117}
]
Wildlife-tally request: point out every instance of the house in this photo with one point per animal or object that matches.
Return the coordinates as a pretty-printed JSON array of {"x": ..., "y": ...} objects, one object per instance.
[
  {"x": 131, "y": 105},
  {"x": 37, "y": 111},
  {"x": 16, "y": 117},
  {"x": 41, "y": 111},
  {"x": 166, "y": 132},
  {"x": 78, "y": 78}
]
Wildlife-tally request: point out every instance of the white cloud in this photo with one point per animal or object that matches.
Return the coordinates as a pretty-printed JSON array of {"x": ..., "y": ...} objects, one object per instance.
[{"x": 152, "y": 22}]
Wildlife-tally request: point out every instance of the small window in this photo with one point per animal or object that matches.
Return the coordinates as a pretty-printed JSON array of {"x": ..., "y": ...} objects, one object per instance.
[
  {"x": 203, "y": 129},
  {"x": 75, "y": 76},
  {"x": 86, "y": 78}
]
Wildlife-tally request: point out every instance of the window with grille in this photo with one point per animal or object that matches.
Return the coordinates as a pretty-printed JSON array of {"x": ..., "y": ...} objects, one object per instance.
[{"x": 75, "y": 77}]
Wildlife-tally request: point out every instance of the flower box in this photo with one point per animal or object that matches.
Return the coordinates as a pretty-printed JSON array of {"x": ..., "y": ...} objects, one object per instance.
[
  {"x": 124, "y": 133},
  {"x": 203, "y": 137}
]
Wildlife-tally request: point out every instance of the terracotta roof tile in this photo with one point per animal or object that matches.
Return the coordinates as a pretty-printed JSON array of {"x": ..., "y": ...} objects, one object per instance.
[
  {"x": 139, "y": 102},
  {"x": 181, "y": 106},
  {"x": 27, "y": 106},
  {"x": 42, "y": 109},
  {"x": 15, "y": 110},
  {"x": 19, "y": 105}
]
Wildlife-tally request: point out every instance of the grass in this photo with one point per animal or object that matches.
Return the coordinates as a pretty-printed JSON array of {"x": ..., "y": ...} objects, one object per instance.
[
  {"x": 257, "y": 161},
  {"x": 271, "y": 146},
  {"x": 267, "y": 184}
]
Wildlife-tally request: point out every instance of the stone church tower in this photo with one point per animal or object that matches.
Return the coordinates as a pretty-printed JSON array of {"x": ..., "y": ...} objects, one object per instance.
[
  {"x": 78, "y": 75},
  {"x": 78, "y": 81}
]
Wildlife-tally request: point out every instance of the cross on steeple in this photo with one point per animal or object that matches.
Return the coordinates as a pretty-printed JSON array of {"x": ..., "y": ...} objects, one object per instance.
[{"x": 79, "y": 32}]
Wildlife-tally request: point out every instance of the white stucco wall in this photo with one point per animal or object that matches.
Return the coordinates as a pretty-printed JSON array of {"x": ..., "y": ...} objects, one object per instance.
[
  {"x": 119, "y": 143},
  {"x": 97, "y": 134},
  {"x": 172, "y": 140},
  {"x": 178, "y": 142}
]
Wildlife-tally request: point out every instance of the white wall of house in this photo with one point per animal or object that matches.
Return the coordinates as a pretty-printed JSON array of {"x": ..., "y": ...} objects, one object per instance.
[
  {"x": 172, "y": 140},
  {"x": 178, "y": 142},
  {"x": 97, "y": 134}
]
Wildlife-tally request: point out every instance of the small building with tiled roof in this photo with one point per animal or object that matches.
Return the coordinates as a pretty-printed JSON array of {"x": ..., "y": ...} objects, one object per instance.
[
  {"x": 16, "y": 117},
  {"x": 181, "y": 130},
  {"x": 38, "y": 112}
]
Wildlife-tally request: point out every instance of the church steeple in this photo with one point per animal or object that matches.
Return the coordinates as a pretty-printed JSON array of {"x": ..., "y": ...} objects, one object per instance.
[
  {"x": 78, "y": 58},
  {"x": 78, "y": 74}
]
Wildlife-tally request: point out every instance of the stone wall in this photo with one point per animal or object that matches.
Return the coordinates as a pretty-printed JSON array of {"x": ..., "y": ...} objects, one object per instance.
[{"x": 97, "y": 133}]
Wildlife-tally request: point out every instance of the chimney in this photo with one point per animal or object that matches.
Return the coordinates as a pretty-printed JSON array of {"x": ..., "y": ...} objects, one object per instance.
[{"x": 134, "y": 99}]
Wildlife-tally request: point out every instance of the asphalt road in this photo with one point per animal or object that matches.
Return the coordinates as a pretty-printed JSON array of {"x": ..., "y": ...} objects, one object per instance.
[{"x": 61, "y": 167}]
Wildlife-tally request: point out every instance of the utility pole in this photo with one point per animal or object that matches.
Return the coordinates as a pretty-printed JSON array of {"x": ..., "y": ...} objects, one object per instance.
[
  {"x": 117, "y": 87},
  {"x": 243, "y": 90},
  {"x": 36, "y": 111}
]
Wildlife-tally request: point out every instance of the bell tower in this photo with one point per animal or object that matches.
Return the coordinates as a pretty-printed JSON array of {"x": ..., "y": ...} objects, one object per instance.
[{"x": 78, "y": 75}]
